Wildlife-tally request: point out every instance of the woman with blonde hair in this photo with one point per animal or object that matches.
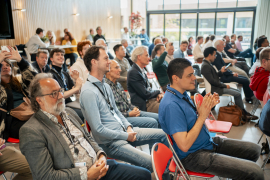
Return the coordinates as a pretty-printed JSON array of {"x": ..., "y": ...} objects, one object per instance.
[{"x": 51, "y": 36}]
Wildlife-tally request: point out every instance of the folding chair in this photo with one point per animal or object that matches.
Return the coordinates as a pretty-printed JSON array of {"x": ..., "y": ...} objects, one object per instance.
[
  {"x": 3, "y": 175},
  {"x": 13, "y": 140},
  {"x": 213, "y": 125},
  {"x": 185, "y": 174}
]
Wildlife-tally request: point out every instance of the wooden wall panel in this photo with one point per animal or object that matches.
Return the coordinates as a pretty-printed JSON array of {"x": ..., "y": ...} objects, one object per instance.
[{"x": 56, "y": 15}]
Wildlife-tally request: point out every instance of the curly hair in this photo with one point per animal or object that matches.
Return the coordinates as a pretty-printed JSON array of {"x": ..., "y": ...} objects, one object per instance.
[{"x": 81, "y": 44}]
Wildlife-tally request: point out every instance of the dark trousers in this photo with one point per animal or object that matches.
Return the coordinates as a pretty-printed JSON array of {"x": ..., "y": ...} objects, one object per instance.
[
  {"x": 241, "y": 80},
  {"x": 122, "y": 171},
  {"x": 72, "y": 57},
  {"x": 230, "y": 158},
  {"x": 243, "y": 65},
  {"x": 33, "y": 57}
]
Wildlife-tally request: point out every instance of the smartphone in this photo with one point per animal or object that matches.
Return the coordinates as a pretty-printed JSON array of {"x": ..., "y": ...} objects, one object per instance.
[
  {"x": 2, "y": 147},
  {"x": 5, "y": 48},
  {"x": 228, "y": 66}
]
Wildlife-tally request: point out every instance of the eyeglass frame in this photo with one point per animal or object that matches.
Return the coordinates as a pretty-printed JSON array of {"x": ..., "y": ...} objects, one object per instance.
[{"x": 61, "y": 90}]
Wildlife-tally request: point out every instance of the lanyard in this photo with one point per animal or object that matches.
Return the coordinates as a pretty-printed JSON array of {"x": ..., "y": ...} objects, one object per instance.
[
  {"x": 62, "y": 77},
  {"x": 68, "y": 134}
]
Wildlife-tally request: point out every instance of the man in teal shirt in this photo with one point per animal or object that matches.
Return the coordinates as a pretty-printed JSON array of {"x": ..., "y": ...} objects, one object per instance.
[{"x": 160, "y": 66}]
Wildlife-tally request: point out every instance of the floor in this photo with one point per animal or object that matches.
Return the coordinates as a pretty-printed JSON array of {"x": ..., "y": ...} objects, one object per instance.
[{"x": 247, "y": 132}]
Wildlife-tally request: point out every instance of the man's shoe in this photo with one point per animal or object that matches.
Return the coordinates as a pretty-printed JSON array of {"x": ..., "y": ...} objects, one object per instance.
[
  {"x": 249, "y": 100},
  {"x": 252, "y": 117}
]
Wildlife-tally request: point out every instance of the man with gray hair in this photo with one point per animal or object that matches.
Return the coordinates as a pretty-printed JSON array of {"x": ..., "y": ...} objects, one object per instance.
[
  {"x": 41, "y": 62},
  {"x": 125, "y": 44},
  {"x": 99, "y": 35},
  {"x": 57, "y": 145},
  {"x": 139, "y": 87},
  {"x": 230, "y": 76}
]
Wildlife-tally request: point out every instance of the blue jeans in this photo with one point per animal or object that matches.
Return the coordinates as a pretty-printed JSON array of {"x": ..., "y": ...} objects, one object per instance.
[
  {"x": 246, "y": 54},
  {"x": 126, "y": 151},
  {"x": 145, "y": 120},
  {"x": 232, "y": 159},
  {"x": 122, "y": 171},
  {"x": 130, "y": 48}
]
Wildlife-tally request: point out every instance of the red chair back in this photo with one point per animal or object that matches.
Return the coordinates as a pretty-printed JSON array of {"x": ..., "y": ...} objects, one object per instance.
[
  {"x": 161, "y": 155},
  {"x": 13, "y": 140},
  {"x": 198, "y": 98},
  {"x": 88, "y": 127}
]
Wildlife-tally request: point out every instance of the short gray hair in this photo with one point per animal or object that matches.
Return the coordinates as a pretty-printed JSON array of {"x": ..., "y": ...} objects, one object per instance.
[
  {"x": 42, "y": 51},
  {"x": 217, "y": 42},
  {"x": 35, "y": 89},
  {"x": 98, "y": 42},
  {"x": 137, "y": 52},
  {"x": 123, "y": 41}
]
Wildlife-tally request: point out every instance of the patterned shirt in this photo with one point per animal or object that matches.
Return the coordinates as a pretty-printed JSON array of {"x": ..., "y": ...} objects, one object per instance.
[
  {"x": 86, "y": 152},
  {"x": 120, "y": 97}
]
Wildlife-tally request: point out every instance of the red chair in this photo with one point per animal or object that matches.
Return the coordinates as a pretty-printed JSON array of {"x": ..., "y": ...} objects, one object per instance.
[
  {"x": 213, "y": 125},
  {"x": 13, "y": 140},
  {"x": 3, "y": 175},
  {"x": 180, "y": 166}
]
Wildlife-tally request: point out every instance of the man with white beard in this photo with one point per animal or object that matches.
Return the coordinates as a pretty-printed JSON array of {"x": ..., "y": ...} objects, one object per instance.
[{"x": 57, "y": 145}]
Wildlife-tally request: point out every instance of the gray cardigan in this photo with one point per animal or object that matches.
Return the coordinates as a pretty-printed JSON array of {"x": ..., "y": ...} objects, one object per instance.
[{"x": 46, "y": 150}]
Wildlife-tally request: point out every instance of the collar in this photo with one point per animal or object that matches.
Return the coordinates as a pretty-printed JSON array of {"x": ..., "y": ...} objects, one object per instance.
[
  {"x": 220, "y": 53},
  {"x": 109, "y": 82},
  {"x": 95, "y": 80},
  {"x": 53, "y": 118},
  {"x": 118, "y": 59},
  {"x": 140, "y": 68},
  {"x": 185, "y": 95},
  {"x": 204, "y": 60},
  {"x": 170, "y": 56},
  {"x": 58, "y": 69}
]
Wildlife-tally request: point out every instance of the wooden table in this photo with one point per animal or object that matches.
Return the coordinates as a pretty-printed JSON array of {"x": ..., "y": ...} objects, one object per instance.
[{"x": 59, "y": 46}]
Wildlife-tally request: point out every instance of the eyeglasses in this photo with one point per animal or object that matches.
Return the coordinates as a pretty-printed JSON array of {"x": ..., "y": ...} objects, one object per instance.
[{"x": 55, "y": 94}]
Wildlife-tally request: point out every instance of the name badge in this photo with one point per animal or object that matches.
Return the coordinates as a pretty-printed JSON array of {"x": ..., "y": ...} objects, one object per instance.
[
  {"x": 116, "y": 116},
  {"x": 80, "y": 164}
]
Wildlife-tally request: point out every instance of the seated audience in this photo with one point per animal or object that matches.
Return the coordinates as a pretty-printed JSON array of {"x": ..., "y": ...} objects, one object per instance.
[
  {"x": 139, "y": 88},
  {"x": 192, "y": 142},
  {"x": 109, "y": 127},
  {"x": 57, "y": 145},
  {"x": 120, "y": 53},
  {"x": 243, "y": 53},
  {"x": 230, "y": 76},
  {"x": 209, "y": 43},
  {"x": 35, "y": 43},
  {"x": 51, "y": 36},
  {"x": 190, "y": 46},
  {"x": 12, "y": 160},
  {"x": 257, "y": 63},
  {"x": 99, "y": 35},
  {"x": 259, "y": 80},
  {"x": 127, "y": 56},
  {"x": 136, "y": 117},
  {"x": 160, "y": 65},
  {"x": 197, "y": 50},
  {"x": 144, "y": 42},
  {"x": 263, "y": 42},
  {"x": 79, "y": 66},
  {"x": 64, "y": 79},
  {"x": 126, "y": 36},
  {"x": 102, "y": 42},
  {"x": 233, "y": 39},
  {"x": 212, "y": 76},
  {"x": 156, "y": 40},
  {"x": 170, "y": 53},
  {"x": 70, "y": 53},
  {"x": 14, "y": 93},
  {"x": 41, "y": 62},
  {"x": 90, "y": 37},
  {"x": 165, "y": 40}
]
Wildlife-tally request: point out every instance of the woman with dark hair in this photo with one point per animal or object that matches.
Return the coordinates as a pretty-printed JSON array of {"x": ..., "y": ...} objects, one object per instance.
[
  {"x": 14, "y": 93},
  {"x": 190, "y": 46},
  {"x": 70, "y": 53}
]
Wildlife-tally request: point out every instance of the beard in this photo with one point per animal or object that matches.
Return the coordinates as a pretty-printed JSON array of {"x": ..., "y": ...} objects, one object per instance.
[{"x": 57, "y": 108}]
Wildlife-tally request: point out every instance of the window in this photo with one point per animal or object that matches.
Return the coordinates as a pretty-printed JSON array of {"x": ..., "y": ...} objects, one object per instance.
[
  {"x": 224, "y": 24},
  {"x": 247, "y": 3},
  {"x": 171, "y": 4},
  {"x": 243, "y": 26},
  {"x": 156, "y": 25},
  {"x": 207, "y": 4},
  {"x": 226, "y": 3},
  {"x": 189, "y": 4},
  {"x": 172, "y": 25},
  {"x": 155, "y": 5},
  {"x": 188, "y": 25},
  {"x": 206, "y": 24}
]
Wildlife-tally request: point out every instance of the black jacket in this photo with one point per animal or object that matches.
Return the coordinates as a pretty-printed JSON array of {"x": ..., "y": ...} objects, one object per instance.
[
  {"x": 45, "y": 70},
  {"x": 96, "y": 37},
  {"x": 219, "y": 63},
  {"x": 139, "y": 88},
  {"x": 211, "y": 75}
]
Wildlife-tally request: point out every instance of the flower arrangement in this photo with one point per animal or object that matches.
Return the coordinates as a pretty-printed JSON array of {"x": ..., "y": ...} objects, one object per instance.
[
  {"x": 135, "y": 21},
  {"x": 45, "y": 39}
]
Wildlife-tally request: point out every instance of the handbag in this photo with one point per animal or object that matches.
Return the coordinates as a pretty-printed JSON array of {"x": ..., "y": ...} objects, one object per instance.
[
  {"x": 23, "y": 112},
  {"x": 230, "y": 113}
]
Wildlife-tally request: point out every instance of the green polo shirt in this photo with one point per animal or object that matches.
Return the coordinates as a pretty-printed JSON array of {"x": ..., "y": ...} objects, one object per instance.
[{"x": 160, "y": 67}]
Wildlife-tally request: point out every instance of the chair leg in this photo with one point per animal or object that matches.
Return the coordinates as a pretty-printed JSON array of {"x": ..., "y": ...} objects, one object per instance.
[
  {"x": 5, "y": 178},
  {"x": 260, "y": 138},
  {"x": 268, "y": 156}
]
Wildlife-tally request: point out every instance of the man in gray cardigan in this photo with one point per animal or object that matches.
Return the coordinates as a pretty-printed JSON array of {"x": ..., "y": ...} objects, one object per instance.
[{"x": 58, "y": 147}]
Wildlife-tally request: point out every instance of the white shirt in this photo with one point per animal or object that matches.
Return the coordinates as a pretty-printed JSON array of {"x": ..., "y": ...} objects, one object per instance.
[
  {"x": 208, "y": 44},
  {"x": 254, "y": 67},
  {"x": 169, "y": 58},
  {"x": 81, "y": 68},
  {"x": 126, "y": 37},
  {"x": 197, "y": 51},
  {"x": 34, "y": 43}
]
